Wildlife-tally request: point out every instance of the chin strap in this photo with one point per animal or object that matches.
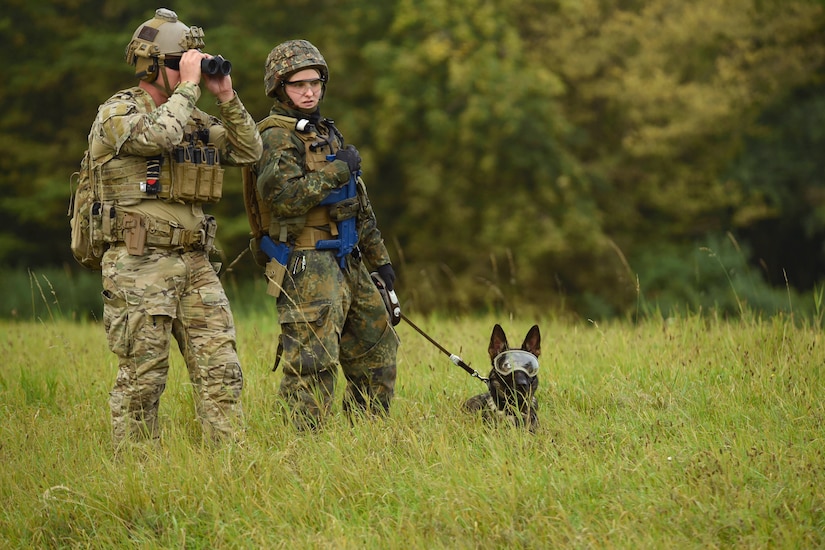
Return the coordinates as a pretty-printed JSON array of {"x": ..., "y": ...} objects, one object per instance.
[
  {"x": 166, "y": 88},
  {"x": 159, "y": 68}
]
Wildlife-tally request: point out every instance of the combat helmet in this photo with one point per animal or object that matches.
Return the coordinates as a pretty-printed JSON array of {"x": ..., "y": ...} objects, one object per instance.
[
  {"x": 289, "y": 57},
  {"x": 160, "y": 37}
]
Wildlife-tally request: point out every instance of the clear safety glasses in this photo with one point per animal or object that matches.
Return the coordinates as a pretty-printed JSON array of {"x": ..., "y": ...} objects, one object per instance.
[
  {"x": 512, "y": 360},
  {"x": 302, "y": 86}
]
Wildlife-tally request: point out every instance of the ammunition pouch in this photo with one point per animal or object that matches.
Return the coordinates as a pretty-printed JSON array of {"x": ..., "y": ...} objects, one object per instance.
[{"x": 180, "y": 181}]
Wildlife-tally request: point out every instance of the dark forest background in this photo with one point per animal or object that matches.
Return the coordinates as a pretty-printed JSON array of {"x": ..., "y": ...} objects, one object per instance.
[{"x": 600, "y": 158}]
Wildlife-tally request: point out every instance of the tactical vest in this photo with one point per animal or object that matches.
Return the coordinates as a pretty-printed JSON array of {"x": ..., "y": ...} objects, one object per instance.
[
  {"x": 302, "y": 231},
  {"x": 190, "y": 173}
]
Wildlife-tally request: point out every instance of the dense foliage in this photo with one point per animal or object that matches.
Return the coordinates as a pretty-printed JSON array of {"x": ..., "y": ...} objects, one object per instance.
[{"x": 576, "y": 155}]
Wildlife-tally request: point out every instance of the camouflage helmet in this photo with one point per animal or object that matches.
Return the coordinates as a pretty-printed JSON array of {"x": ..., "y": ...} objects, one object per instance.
[
  {"x": 289, "y": 57},
  {"x": 161, "y": 36}
]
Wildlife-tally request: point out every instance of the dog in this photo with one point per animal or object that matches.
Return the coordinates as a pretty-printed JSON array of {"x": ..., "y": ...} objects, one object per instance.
[{"x": 512, "y": 382}]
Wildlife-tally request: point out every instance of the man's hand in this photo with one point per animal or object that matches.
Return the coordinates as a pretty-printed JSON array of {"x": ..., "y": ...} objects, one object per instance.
[
  {"x": 190, "y": 66},
  {"x": 219, "y": 85},
  {"x": 190, "y": 70}
]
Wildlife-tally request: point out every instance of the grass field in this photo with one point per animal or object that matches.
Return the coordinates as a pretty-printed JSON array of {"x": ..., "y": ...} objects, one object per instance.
[{"x": 685, "y": 433}]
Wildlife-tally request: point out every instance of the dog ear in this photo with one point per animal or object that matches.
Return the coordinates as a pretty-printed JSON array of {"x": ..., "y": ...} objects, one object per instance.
[
  {"x": 532, "y": 342},
  {"x": 498, "y": 342}
]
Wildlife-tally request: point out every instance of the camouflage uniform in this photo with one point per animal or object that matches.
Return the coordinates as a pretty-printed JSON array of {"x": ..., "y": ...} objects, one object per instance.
[
  {"x": 168, "y": 290},
  {"x": 328, "y": 316}
]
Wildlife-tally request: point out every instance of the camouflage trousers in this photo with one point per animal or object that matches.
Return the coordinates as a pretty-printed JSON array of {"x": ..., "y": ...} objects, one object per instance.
[
  {"x": 147, "y": 299},
  {"x": 331, "y": 317}
]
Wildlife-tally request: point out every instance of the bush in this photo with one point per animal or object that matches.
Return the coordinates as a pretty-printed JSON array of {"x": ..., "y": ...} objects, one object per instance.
[
  {"x": 714, "y": 275},
  {"x": 75, "y": 293},
  {"x": 51, "y": 293}
]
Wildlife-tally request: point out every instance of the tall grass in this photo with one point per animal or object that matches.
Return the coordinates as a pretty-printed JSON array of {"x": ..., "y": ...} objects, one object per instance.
[
  {"x": 73, "y": 293},
  {"x": 685, "y": 432}
]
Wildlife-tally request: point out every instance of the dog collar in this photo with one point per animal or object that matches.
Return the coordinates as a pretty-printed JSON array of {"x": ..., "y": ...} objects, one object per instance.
[{"x": 512, "y": 360}]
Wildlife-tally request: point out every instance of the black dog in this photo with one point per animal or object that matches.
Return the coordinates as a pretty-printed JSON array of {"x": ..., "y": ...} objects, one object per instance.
[{"x": 513, "y": 381}]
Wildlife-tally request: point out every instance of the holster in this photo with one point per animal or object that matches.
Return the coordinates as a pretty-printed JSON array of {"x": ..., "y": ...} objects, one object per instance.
[
  {"x": 274, "y": 272},
  {"x": 134, "y": 234}
]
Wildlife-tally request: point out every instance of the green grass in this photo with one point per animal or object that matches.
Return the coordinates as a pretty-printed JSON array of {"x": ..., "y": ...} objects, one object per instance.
[{"x": 690, "y": 432}]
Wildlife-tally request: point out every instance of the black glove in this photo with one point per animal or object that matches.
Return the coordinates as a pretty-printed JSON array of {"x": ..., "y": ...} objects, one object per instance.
[
  {"x": 383, "y": 279},
  {"x": 388, "y": 274},
  {"x": 349, "y": 154}
]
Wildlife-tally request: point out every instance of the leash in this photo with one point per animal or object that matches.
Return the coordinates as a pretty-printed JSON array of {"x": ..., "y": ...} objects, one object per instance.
[{"x": 453, "y": 357}]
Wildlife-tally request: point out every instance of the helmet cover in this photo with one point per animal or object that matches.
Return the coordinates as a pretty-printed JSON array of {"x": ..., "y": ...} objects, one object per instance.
[{"x": 289, "y": 57}]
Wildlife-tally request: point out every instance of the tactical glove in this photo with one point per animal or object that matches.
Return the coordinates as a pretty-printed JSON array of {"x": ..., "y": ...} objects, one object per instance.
[
  {"x": 388, "y": 274},
  {"x": 349, "y": 154},
  {"x": 387, "y": 294}
]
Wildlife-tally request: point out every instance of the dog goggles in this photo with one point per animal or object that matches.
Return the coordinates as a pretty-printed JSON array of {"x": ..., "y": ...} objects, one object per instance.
[{"x": 512, "y": 360}]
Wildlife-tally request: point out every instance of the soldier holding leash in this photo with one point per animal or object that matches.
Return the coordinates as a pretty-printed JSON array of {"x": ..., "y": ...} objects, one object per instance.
[{"x": 330, "y": 312}]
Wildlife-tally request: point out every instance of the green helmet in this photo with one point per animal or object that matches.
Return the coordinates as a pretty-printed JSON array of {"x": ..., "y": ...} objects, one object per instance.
[
  {"x": 161, "y": 36},
  {"x": 289, "y": 57}
]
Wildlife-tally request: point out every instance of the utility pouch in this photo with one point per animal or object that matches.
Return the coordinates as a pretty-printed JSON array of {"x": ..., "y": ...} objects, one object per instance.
[
  {"x": 344, "y": 209},
  {"x": 134, "y": 234},
  {"x": 275, "y": 277},
  {"x": 86, "y": 217}
]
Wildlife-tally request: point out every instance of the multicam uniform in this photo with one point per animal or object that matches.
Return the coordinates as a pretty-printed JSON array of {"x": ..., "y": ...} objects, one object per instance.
[
  {"x": 157, "y": 277},
  {"x": 328, "y": 315}
]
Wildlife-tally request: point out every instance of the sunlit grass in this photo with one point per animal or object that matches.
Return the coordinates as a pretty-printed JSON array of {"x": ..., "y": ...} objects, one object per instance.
[{"x": 690, "y": 432}]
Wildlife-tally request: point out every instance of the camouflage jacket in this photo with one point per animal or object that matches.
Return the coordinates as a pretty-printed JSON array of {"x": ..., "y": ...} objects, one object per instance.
[
  {"x": 292, "y": 188},
  {"x": 129, "y": 125}
]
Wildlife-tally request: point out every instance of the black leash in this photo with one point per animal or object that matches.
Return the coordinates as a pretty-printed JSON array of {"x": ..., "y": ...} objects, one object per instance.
[{"x": 453, "y": 357}]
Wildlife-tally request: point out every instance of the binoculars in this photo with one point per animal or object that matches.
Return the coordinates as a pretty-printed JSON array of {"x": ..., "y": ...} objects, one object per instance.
[{"x": 216, "y": 65}]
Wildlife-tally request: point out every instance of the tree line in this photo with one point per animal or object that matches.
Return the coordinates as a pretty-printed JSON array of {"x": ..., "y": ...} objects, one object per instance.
[{"x": 595, "y": 156}]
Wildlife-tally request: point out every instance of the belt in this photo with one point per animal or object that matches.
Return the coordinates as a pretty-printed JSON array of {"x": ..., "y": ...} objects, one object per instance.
[
  {"x": 165, "y": 234},
  {"x": 311, "y": 235}
]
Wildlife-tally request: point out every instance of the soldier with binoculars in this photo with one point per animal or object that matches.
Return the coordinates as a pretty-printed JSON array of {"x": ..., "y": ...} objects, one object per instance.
[{"x": 154, "y": 159}]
